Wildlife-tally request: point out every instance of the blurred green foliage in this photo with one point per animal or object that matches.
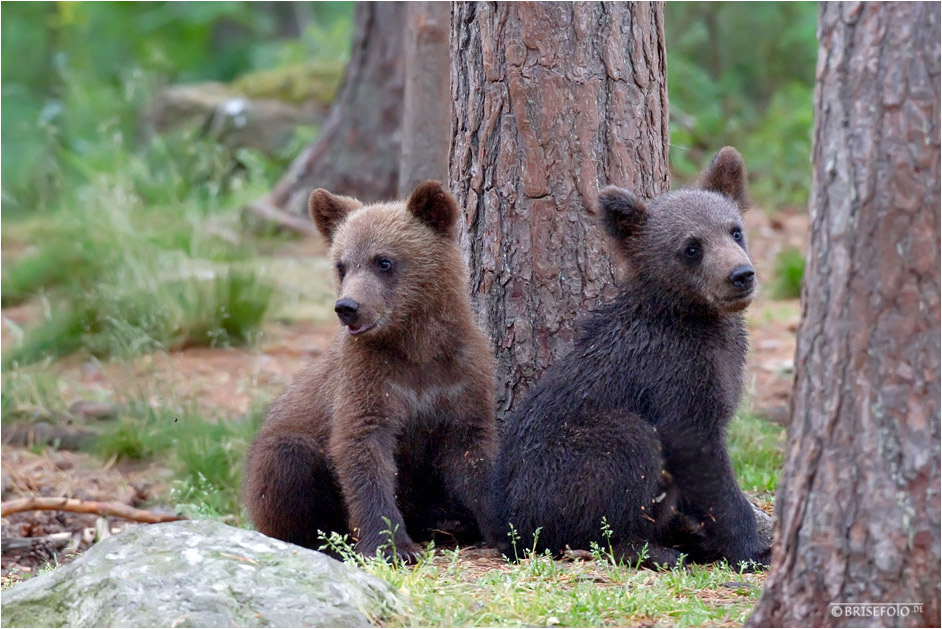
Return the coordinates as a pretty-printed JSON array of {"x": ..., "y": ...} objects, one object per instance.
[
  {"x": 76, "y": 76},
  {"x": 742, "y": 74},
  {"x": 789, "y": 271},
  {"x": 129, "y": 239},
  {"x": 143, "y": 256}
]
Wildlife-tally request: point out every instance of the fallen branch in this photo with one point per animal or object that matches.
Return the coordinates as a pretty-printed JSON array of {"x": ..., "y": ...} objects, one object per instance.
[
  {"x": 74, "y": 505},
  {"x": 55, "y": 541},
  {"x": 283, "y": 218}
]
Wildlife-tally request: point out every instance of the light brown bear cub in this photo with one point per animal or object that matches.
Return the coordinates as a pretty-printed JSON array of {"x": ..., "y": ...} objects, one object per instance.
[{"x": 393, "y": 428}]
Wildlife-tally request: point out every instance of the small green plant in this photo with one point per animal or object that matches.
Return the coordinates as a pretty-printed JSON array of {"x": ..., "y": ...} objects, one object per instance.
[
  {"x": 339, "y": 545},
  {"x": 789, "y": 271},
  {"x": 531, "y": 552},
  {"x": 198, "y": 498},
  {"x": 514, "y": 538},
  {"x": 607, "y": 534}
]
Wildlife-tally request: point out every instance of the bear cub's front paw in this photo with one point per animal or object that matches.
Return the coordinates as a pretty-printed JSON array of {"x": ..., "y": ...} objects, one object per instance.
[{"x": 402, "y": 548}]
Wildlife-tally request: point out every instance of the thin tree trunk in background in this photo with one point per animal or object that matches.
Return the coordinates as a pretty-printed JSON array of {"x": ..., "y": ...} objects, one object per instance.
[
  {"x": 426, "y": 121},
  {"x": 285, "y": 17},
  {"x": 357, "y": 150},
  {"x": 551, "y": 101},
  {"x": 858, "y": 506}
]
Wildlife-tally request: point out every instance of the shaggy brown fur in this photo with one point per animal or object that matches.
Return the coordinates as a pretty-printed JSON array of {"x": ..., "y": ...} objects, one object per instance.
[{"x": 393, "y": 428}]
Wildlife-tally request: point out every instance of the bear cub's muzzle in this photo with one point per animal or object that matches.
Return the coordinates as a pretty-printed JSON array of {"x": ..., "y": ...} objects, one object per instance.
[{"x": 348, "y": 311}]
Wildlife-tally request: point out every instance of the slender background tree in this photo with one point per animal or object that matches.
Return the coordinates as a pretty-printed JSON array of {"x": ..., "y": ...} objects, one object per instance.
[
  {"x": 551, "y": 101},
  {"x": 858, "y": 505},
  {"x": 358, "y": 148},
  {"x": 426, "y": 116}
]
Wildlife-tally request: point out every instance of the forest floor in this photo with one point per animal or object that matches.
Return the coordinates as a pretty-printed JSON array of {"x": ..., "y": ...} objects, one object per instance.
[{"x": 59, "y": 452}]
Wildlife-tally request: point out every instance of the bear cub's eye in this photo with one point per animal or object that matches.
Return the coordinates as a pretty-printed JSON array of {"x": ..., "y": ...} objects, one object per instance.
[
  {"x": 692, "y": 250},
  {"x": 341, "y": 270},
  {"x": 737, "y": 234},
  {"x": 384, "y": 264}
]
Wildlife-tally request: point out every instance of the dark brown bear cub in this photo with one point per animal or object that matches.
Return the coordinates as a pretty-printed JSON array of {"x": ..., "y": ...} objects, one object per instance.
[
  {"x": 393, "y": 428},
  {"x": 631, "y": 425}
]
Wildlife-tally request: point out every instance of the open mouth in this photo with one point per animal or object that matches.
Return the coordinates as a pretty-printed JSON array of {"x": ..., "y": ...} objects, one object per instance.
[{"x": 359, "y": 329}]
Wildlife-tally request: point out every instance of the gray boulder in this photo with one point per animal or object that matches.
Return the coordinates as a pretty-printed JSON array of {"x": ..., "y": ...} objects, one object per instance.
[
  {"x": 764, "y": 525},
  {"x": 200, "y": 574}
]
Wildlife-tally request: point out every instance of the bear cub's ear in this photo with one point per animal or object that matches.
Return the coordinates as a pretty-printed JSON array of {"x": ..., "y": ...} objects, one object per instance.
[
  {"x": 435, "y": 206},
  {"x": 623, "y": 214},
  {"x": 329, "y": 210},
  {"x": 726, "y": 175}
]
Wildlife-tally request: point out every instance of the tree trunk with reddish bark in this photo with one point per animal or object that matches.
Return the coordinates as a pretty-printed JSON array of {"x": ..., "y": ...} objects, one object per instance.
[
  {"x": 858, "y": 506},
  {"x": 357, "y": 149},
  {"x": 426, "y": 116},
  {"x": 551, "y": 101}
]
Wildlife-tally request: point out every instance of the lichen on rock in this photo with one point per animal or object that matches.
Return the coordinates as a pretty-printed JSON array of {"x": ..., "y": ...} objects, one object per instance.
[{"x": 200, "y": 573}]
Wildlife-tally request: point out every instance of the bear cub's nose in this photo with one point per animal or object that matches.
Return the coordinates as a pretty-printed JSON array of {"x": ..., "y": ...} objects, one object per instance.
[
  {"x": 742, "y": 277},
  {"x": 346, "y": 309}
]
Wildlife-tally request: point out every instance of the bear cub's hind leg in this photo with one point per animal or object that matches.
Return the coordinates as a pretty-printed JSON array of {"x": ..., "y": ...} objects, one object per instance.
[{"x": 291, "y": 493}]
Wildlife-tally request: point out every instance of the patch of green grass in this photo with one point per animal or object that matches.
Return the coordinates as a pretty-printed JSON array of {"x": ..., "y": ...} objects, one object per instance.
[
  {"x": 29, "y": 395},
  {"x": 221, "y": 310},
  {"x": 141, "y": 256},
  {"x": 757, "y": 449},
  {"x": 446, "y": 589},
  {"x": 206, "y": 455},
  {"x": 143, "y": 432},
  {"x": 789, "y": 270},
  {"x": 209, "y": 460},
  {"x": 64, "y": 264}
]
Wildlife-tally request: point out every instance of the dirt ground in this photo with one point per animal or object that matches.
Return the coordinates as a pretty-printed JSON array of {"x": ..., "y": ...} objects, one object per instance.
[{"x": 227, "y": 382}]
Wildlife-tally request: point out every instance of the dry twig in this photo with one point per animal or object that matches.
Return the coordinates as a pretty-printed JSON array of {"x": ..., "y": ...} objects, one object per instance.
[{"x": 74, "y": 505}]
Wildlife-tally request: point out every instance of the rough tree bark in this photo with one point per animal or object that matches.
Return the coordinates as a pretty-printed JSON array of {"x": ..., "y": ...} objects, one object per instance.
[
  {"x": 551, "y": 101},
  {"x": 426, "y": 116},
  {"x": 357, "y": 149},
  {"x": 858, "y": 506}
]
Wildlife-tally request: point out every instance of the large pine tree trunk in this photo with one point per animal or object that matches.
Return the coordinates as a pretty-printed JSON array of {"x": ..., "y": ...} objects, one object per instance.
[
  {"x": 858, "y": 506},
  {"x": 426, "y": 116},
  {"x": 551, "y": 101},
  {"x": 357, "y": 150}
]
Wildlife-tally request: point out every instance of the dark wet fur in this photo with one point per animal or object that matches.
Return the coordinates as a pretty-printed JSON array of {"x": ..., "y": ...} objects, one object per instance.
[{"x": 631, "y": 424}]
